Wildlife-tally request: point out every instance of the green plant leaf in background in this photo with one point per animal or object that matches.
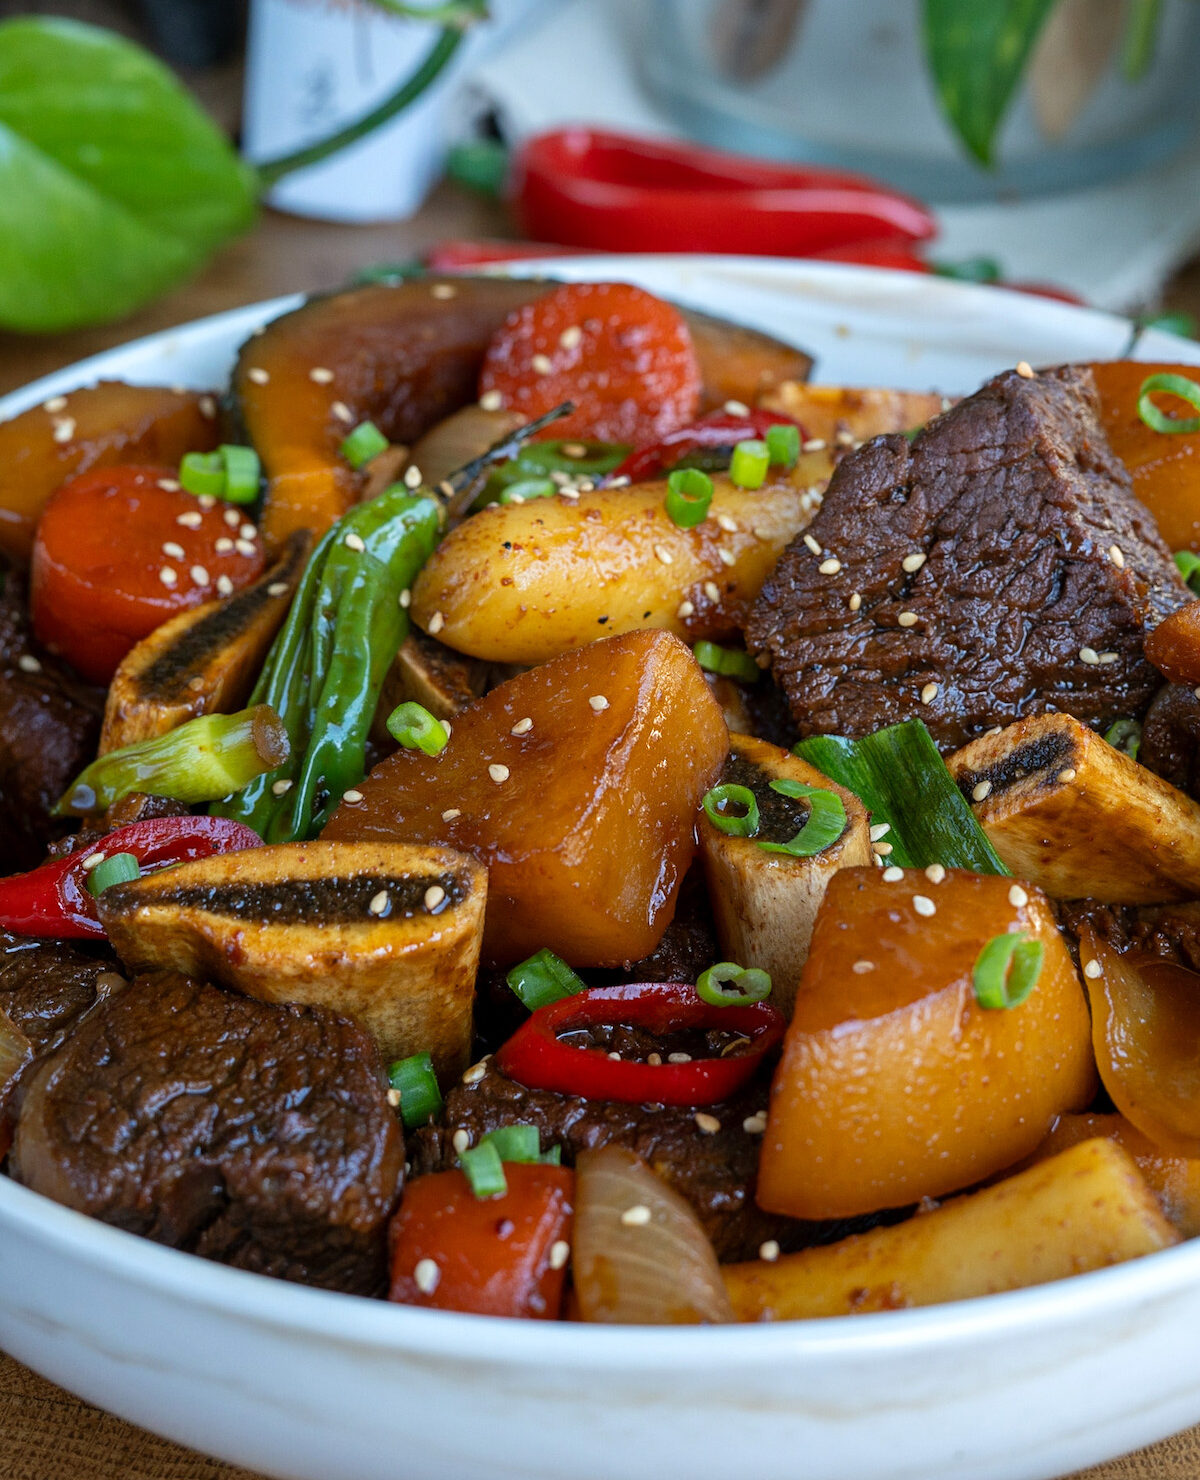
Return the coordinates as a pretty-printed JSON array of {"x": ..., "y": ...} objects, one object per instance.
[
  {"x": 977, "y": 50},
  {"x": 114, "y": 185}
]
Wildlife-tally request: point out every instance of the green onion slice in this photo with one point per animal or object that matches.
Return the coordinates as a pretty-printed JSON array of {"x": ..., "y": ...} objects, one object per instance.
[
  {"x": 412, "y": 726},
  {"x": 415, "y": 1082},
  {"x": 749, "y": 985},
  {"x": 689, "y": 495},
  {"x": 729, "y": 662},
  {"x": 1125, "y": 735},
  {"x": 729, "y": 795},
  {"x": 364, "y": 442},
  {"x": 783, "y": 444},
  {"x": 1007, "y": 970},
  {"x": 484, "y": 1170},
  {"x": 901, "y": 779},
  {"x": 1188, "y": 563},
  {"x": 202, "y": 473},
  {"x": 542, "y": 979},
  {"x": 825, "y": 823},
  {"x": 526, "y": 489},
  {"x": 749, "y": 464},
  {"x": 1170, "y": 385},
  {"x": 242, "y": 473},
  {"x": 120, "y": 868}
]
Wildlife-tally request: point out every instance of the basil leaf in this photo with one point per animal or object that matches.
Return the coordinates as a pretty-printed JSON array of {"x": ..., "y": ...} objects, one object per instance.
[
  {"x": 114, "y": 185},
  {"x": 977, "y": 50}
]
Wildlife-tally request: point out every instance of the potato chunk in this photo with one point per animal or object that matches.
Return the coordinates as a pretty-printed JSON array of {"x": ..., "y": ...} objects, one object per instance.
[
  {"x": 1084, "y": 1209},
  {"x": 577, "y": 785},
  {"x": 895, "y": 1084}
]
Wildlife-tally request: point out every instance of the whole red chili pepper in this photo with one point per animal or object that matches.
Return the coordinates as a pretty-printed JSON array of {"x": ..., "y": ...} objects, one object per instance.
[
  {"x": 536, "y": 1057},
  {"x": 54, "y": 900},
  {"x": 717, "y": 429}
]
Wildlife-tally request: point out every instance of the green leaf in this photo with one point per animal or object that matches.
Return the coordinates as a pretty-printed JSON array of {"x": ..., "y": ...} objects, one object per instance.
[
  {"x": 977, "y": 50},
  {"x": 114, "y": 185}
]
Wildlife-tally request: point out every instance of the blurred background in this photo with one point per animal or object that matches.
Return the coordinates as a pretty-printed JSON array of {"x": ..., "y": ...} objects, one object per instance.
[{"x": 1049, "y": 144}]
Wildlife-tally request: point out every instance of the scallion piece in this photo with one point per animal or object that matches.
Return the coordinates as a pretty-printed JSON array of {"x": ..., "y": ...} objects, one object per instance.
[
  {"x": 825, "y": 823},
  {"x": 783, "y": 444},
  {"x": 484, "y": 1170},
  {"x": 242, "y": 473},
  {"x": 729, "y": 662},
  {"x": 749, "y": 464},
  {"x": 1007, "y": 970},
  {"x": 515, "y": 1142},
  {"x": 119, "y": 868},
  {"x": 364, "y": 442},
  {"x": 542, "y": 979},
  {"x": 749, "y": 985},
  {"x": 729, "y": 795},
  {"x": 1169, "y": 385},
  {"x": 689, "y": 497},
  {"x": 1125, "y": 735},
  {"x": 1188, "y": 564},
  {"x": 414, "y": 1081},
  {"x": 901, "y": 779},
  {"x": 202, "y": 473},
  {"x": 412, "y": 726},
  {"x": 526, "y": 489}
]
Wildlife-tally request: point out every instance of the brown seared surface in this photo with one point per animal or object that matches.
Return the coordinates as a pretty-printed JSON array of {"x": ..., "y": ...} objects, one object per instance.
[
  {"x": 47, "y": 985},
  {"x": 250, "y": 1133},
  {"x": 49, "y": 726},
  {"x": 1171, "y": 931},
  {"x": 1015, "y": 499},
  {"x": 1171, "y": 738}
]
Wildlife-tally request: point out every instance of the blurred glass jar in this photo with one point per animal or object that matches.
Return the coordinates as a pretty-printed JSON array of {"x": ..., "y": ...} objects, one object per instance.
[{"x": 846, "y": 83}]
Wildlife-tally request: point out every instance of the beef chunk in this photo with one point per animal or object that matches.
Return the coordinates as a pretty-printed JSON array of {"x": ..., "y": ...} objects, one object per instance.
[
  {"x": 251, "y": 1133},
  {"x": 49, "y": 728},
  {"x": 1015, "y": 500},
  {"x": 46, "y": 986},
  {"x": 1171, "y": 739}
]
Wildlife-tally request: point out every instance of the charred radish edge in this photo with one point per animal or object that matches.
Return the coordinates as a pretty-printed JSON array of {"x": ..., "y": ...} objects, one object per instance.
[
  {"x": 203, "y": 660},
  {"x": 386, "y": 933},
  {"x": 901, "y": 779},
  {"x": 764, "y": 904},
  {"x": 1078, "y": 817}
]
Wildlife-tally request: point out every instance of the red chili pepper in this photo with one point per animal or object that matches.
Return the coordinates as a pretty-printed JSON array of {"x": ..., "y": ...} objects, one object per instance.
[
  {"x": 717, "y": 429},
  {"x": 54, "y": 900},
  {"x": 891, "y": 253},
  {"x": 616, "y": 192},
  {"x": 536, "y": 1057},
  {"x": 458, "y": 255}
]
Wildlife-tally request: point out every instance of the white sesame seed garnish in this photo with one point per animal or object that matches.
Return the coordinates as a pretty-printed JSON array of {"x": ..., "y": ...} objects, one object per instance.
[
  {"x": 907, "y": 619},
  {"x": 736, "y": 408},
  {"x": 769, "y": 1250},
  {"x": 707, "y": 1124},
  {"x": 168, "y": 576},
  {"x": 248, "y": 547},
  {"x": 451, "y": 813},
  {"x": 449, "y": 729},
  {"x": 654, "y": 1060},
  {"x": 491, "y": 401},
  {"x": 929, "y": 693},
  {"x": 813, "y": 544},
  {"x": 405, "y": 599},
  {"x": 662, "y": 553},
  {"x": 393, "y": 1098},
  {"x": 726, "y": 557},
  {"x": 282, "y": 786},
  {"x": 27, "y": 663},
  {"x": 475, "y": 1073},
  {"x": 320, "y": 375},
  {"x": 727, "y": 522},
  {"x": 224, "y": 586},
  {"x": 412, "y": 477},
  {"x": 354, "y": 542},
  {"x": 1068, "y": 775},
  {"x": 1092, "y": 970},
  {"x": 980, "y": 790},
  {"x": 168, "y": 485},
  {"x": 352, "y": 794},
  {"x": 855, "y": 601},
  {"x": 860, "y": 968},
  {"x": 935, "y": 873},
  {"x": 427, "y": 1276},
  {"x": 813, "y": 444},
  {"x": 755, "y": 1124},
  {"x": 258, "y": 375},
  {"x": 1024, "y": 369},
  {"x": 64, "y": 429},
  {"x": 880, "y": 830},
  {"x": 278, "y": 588},
  {"x": 192, "y": 519},
  {"x": 199, "y": 574},
  {"x": 637, "y": 1216},
  {"x": 830, "y": 567},
  {"x": 55, "y": 403},
  {"x": 248, "y": 532},
  {"x": 434, "y": 896},
  {"x": 224, "y": 546},
  {"x": 883, "y": 849},
  {"x": 712, "y": 590},
  {"x": 1107, "y": 658},
  {"x": 541, "y": 364},
  {"x": 208, "y": 407},
  {"x": 342, "y": 412},
  {"x": 232, "y": 518},
  {"x": 498, "y": 773},
  {"x": 207, "y": 501},
  {"x": 522, "y": 726},
  {"x": 173, "y": 550},
  {"x": 679, "y": 1058},
  {"x": 912, "y": 562},
  {"x": 560, "y": 1252},
  {"x": 444, "y": 291},
  {"x": 924, "y": 905},
  {"x": 1117, "y": 556},
  {"x": 571, "y": 336},
  {"x": 684, "y": 610},
  {"x": 460, "y": 1140},
  {"x": 1089, "y": 655},
  {"x": 92, "y": 860},
  {"x": 436, "y": 623},
  {"x": 1017, "y": 897},
  {"x": 892, "y": 875}
]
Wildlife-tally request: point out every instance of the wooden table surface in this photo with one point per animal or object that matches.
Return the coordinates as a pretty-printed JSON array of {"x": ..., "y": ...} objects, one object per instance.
[{"x": 45, "y": 1433}]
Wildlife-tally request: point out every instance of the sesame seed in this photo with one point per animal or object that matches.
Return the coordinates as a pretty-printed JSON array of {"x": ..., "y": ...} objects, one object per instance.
[
  {"x": 460, "y": 1140},
  {"x": 522, "y": 726},
  {"x": 192, "y": 519},
  {"x": 892, "y": 875},
  {"x": 637, "y": 1216},
  {"x": 278, "y": 588},
  {"x": 342, "y": 412},
  {"x": 207, "y": 501},
  {"x": 684, "y": 610},
  {"x": 727, "y": 557},
  {"x": 924, "y": 905},
  {"x": 907, "y": 619},
  {"x": 1092, "y": 970},
  {"x": 64, "y": 430},
  {"x": 224, "y": 545},
  {"x": 1117, "y": 556},
  {"x": 444, "y": 290},
  {"x": 248, "y": 532},
  {"x": 224, "y": 586},
  {"x": 451, "y": 813},
  {"x": 571, "y": 336},
  {"x": 736, "y": 408},
  {"x": 1024, "y": 369},
  {"x": 929, "y": 693},
  {"x": 855, "y": 601},
  {"x": 258, "y": 375},
  {"x": 92, "y": 860},
  {"x": 352, "y": 794},
  {"x": 27, "y": 663},
  {"x": 167, "y": 576},
  {"x": 880, "y": 830},
  {"x": 883, "y": 849},
  {"x": 860, "y": 968},
  {"x": 980, "y": 790},
  {"x": 491, "y": 401},
  {"x": 1089, "y": 655},
  {"x": 435, "y": 625},
  {"x": 412, "y": 477},
  {"x": 498, "y": 773},
  {"x": 434, "y": 896},
  {"x": 475, "y": 1073},
  {"x": 1017, "y": 897},
  {"x": 354, "y": 542},
  {"x": 662, "y": 553},
  {"x": 727, "y": 522},
  {"x": 679, "y": 1058},
  {"x": 199, "y": 574},
  {"x": 755, "y": 1124},
  {"x": 912, "y": 562},
  {"x": 769, "y": 1250},
  {"x": 813, "y": 444},
  {"x": 320, "y": 375},
  {"x": 248, "y": 547},
  {"x": 1107, "y": 658},
  {"x": 935, "y": 873},
  {"x": 813, "y": 544},
  {"x": 829, "y": 567},
  {"x": 560, "y": 1252},
  {"x": 168, "y": 485},
  {"x": 447, "y": 727},
  {"x": 707, "y": 1124},
  {"x": 427, "y": 1276},
  {"x": 232, "y": 518},
  {"x": 712, "y": 590},
  {"x": 1068, "y": 775},
  {"x": 654, "y": 1059},
  {"x": 55, "y": 403},
  {"x": 175, "y": 551},
  {"x": 541, "y": 364},
  {"x": 281, "y": 787},
  {"x": 208, "y": 406},
  {"x": 393, "y": 1098}
]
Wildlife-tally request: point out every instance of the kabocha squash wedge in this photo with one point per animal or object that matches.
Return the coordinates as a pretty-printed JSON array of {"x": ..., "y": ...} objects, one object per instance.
[
  {"x": 97, "y": 427},
  {"x": 896, "y": 1083},
  {"x": 764, "y": 903},
  {"x": 1086, "y": 1208},
  {"x": 1079, "y": 818},
  {"x": 388, "y": 933},
  {"x": 577, "y": 784},
  {"x": 741, "y": 364},
  {"x": 204, "y": 661}
]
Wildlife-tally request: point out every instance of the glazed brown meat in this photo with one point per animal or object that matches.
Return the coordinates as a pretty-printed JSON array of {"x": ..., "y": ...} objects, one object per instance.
[
  {"x": 997, "y": 567},
  {"x": 1171, "y": 738},
  {"x": 1169, "y": 931},
  {"x": 46, "y": 986},
  {"x": 249, "y": 1133}
]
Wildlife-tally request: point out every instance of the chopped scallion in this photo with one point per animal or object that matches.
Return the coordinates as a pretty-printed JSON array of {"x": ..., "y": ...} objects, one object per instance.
[
  {"x": 515, "y": 1142},
  {"x": 1125, "y": 735},
  {"x": 364, "y": 442},
  {"x": 202, "y": 473},
  {"x": 749, "y": 464},
  {"x": 1169, "y": 385},
  {"x": 415, "y": 1082},
  {"x": 484, "y": 1170},
  {"x": 242, "y": 473},
  {"x": 749, "y": 985},
  {"x": 412, "y": 726},
  {"x": 542, "y": 979},
  {"x": 1188, "y": 563},
  {"x": 825, "y": 823},
  {"x": 729, "y": 823},
  {"x": 783, "y": 444},
  {"x": 526, "y": 489},
  {"x": 1007, "y": 970},
  {"x": 689, "y": 496},
  {"x": 119, "y": 868},
  {"x": 729, "y": 662}
]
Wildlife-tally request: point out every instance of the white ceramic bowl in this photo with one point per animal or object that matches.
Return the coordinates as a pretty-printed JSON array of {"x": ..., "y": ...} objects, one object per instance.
[{"x": 305, "y": 1384}]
